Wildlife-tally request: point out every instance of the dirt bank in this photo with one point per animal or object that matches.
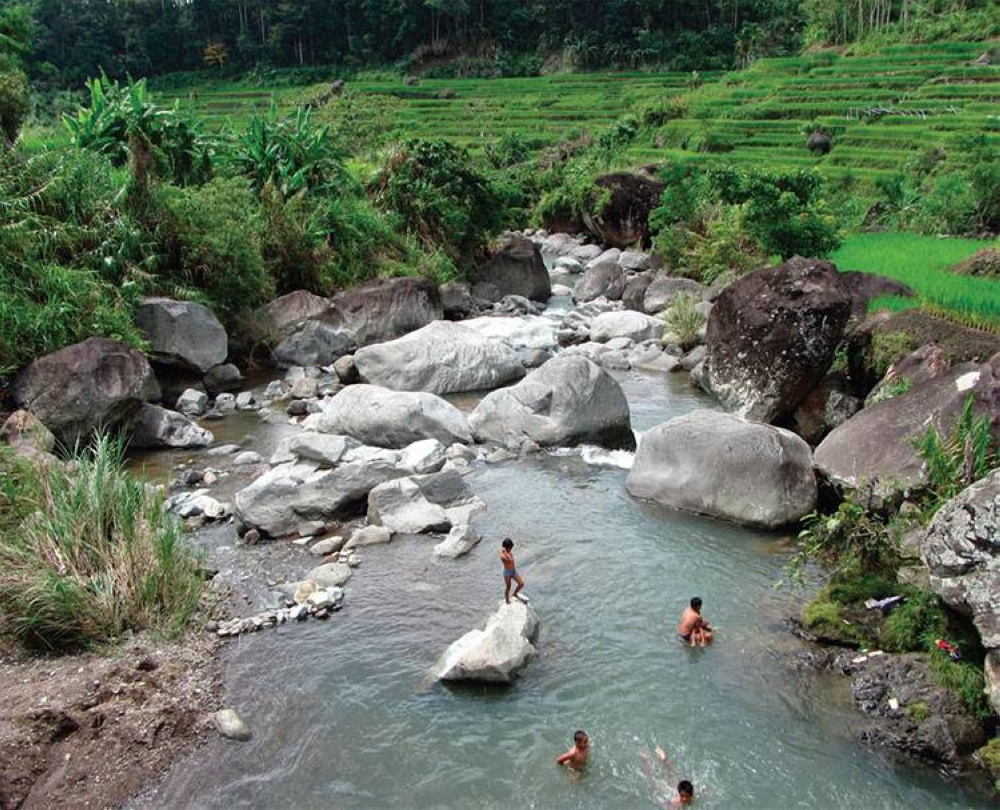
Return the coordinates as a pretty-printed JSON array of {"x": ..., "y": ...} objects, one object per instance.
[{"x": 91, "y": 730}]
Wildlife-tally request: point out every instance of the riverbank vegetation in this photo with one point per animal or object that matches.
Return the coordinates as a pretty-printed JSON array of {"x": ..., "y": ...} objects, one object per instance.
[
  {"x": 88, "y": 553},
  {"x": 863, "y": 544}
]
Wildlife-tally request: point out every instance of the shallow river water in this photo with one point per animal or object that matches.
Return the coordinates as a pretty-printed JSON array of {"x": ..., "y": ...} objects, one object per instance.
[{"x": 344, "y": 715}]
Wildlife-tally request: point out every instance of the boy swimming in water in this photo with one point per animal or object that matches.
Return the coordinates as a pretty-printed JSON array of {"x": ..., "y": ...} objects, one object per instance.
[
  {"x": 510, "y": 571},
  {"x": 577, "y": 756},
  {"x": 685, "y": 790},
  {"x": 693, "y": 629}
]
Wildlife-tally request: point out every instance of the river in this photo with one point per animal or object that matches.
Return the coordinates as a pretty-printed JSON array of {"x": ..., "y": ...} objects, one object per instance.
[{"x": 344, "y": 715}]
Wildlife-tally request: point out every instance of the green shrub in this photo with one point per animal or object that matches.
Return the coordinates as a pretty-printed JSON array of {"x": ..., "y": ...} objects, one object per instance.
[
  {"x": 211, "y": 243},
  {"x": 660, "y": 112},
  {"x": 292, "y": 154},
  {"x": 914, "y": 624},
  {"x": 510, "y": 149},
  {"x": 683, "y": 321},
  {"x": 889, "y": 348},
  {"x": 965, "y": 679},
  {"x": 722, "y": 247},
  {"x": 44, "y": 307},
  {"x": 440, "y": 197},
  {"x": 852, "y": 540},
  {"x": 88, "y": 553},
  {"x": 14, "y": 103},
  {"x": 918, "y": 711},
  {"x": 294, "y": 243},
  {"x": 954, "y": 461},
  {"x": 119, "y": 116},
  {"x": 782, "y": 211}
]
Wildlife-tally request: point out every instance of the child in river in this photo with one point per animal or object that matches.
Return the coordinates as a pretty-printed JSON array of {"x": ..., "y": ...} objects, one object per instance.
[
  {"x": 693, "y": 629},
  {"x": 577, "y": 756},
  {"x": 685, "y": 790},
  {"x": 510, "y": 571}
]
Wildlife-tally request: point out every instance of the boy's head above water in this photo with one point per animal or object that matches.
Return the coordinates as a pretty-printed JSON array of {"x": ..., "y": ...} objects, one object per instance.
[
  {"x": 581, "y": 739},
  {"x": 685, "y": 791},
  {"x": 507, "y": 543},
  {"x": 696, "y": 604}
]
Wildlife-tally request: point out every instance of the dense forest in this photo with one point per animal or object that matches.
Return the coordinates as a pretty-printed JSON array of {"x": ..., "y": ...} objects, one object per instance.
[{"x": 483, "y": 37}]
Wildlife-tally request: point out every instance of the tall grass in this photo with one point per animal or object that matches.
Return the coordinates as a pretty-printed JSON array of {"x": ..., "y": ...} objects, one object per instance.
[{"x": 87, "y": 553}]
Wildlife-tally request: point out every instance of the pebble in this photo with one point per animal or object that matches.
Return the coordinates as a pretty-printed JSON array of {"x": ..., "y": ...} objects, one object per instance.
[{"x": 230, "y": 725}]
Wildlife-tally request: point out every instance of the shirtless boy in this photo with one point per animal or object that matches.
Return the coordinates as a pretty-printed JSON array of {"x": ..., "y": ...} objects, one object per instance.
[
  {"x": 685, "y": 790},
  {"x": 577, "y": 756},
  {"x": 693, "y": 629},
  {"x": 510, "y": 571}
]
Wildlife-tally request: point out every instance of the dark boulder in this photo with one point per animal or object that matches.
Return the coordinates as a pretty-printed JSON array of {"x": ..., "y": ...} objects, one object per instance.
[
  {"x": 819, "y": 143},
  {"x": 929, "y": 723},
  {"x": 385, "y": 308},
  {"x": 772, "y": 336},
  {"x": 224, "y": 377},
  {"x": 863, "y": 287},
  {"x": 876, "y": 446},
  {"x": 95, "y": 384},
  {"x": 182, "y": 334},
  {"x": 827, "y": 406},
  {"x": 314, "y": 344},
  {"x": 635, "y": 291},
  {"x": 664, "y": 289},
  {"x": 457, "y": 300},
  {"x": 516, "y": 268},
  {"x": 985, "y": 263},
  {"x": 624, "y": 218}
]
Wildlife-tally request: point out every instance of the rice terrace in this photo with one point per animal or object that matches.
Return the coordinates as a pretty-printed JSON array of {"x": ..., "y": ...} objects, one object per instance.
[{"x": 451, "y": 403}]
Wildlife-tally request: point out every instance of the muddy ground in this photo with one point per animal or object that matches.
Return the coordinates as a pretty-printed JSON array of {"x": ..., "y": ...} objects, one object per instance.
[{"x": 91, "y": 730}]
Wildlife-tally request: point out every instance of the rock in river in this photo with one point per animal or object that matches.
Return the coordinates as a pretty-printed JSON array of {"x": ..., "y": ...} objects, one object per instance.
[
  {"x": 772, "y": 336},
  {"x": 567, "y": 401},
  {"x": 182, "y": 333},
  {"x": 516, "y": 268},
  {"x": 96, "y": 384},
  {"x": 719, "y": 465},
  {"x": 285, "y": 496},
  {"x": 383, "y": 418},
  {"x": 496, "y": 654},
  {"x": 400, "y": 506},
  {"x": 230, "y": 725},
  {"x": 157, "y": 427},
  {"x": 442, "y": 357}
]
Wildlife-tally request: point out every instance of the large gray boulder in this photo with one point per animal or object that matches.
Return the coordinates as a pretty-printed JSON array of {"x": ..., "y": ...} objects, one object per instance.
[
  {"x": 441, "y": 358},
  {"x": 625, "y": 324},
  {"x": 290, "y": 311},
  {"x": 876, "y": 447},
  {"x": 96, "y": 384},
  {"x": 401, "y": 507},
  {"x": 182, "y": 334},
  {"x": 516, "y": 268},
  {"x": 961, "y": 548},
  {"x": 395, "y": 419},
  {"x": 314, "y": 343},
  {"x": 496, "y": 654},
  {"x": 663, "y": 290},
  {"x": 528, "y": 332},
  {"x": 385, "y": 308},
  {"x": 720, "y": 465},
  {"x": 772, "y": 335},
  {"x": 567, "y": 401},
  {"x": 290, "y": 494},
  {"x": 604, "y": 277},
  {"x": 154, "y": 426}
]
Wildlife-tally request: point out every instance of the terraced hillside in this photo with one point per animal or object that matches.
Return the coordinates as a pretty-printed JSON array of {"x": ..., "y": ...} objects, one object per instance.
[{"x": 882, "y": 110}]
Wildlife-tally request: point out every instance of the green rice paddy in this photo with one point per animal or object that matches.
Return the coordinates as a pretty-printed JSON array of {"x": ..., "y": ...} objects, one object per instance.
[{"x": 922, "y": 263}]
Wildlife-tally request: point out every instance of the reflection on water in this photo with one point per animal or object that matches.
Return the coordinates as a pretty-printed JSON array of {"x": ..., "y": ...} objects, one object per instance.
[{"x": 344, "y": 715}]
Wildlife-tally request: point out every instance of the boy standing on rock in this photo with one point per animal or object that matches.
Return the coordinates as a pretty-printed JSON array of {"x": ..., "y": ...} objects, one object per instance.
[{"x": 510, "y": 571}]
